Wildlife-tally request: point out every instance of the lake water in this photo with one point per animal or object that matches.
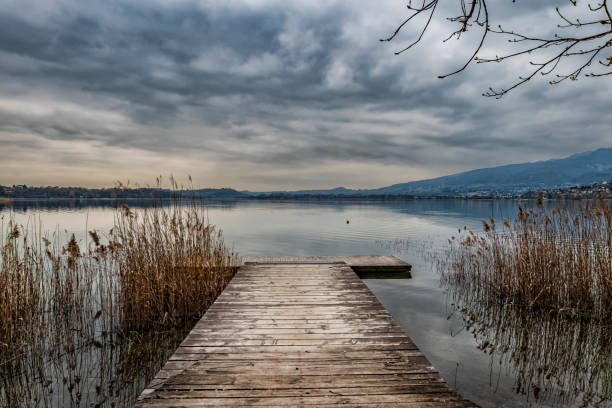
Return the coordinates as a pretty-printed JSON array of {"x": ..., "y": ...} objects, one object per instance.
[{"x": 414, "y": 230}]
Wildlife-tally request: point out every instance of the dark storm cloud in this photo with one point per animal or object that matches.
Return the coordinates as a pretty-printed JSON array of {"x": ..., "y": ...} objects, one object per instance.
[
  {"x": 330, "y": 148},
  {"x": 285, "y": 84},
  {"x": 123, "y": 59}
]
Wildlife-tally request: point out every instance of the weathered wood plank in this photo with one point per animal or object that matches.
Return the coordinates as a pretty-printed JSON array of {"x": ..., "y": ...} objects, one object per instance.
[
  {"x": 363, "y": 260},
  {"x": 306, "y": 367},
  {"x": 385, "y": 355},
  {"x": 284, "y": 333},
  {"x": 418, "y": 400},
  {"x": 297, "y": 335}
]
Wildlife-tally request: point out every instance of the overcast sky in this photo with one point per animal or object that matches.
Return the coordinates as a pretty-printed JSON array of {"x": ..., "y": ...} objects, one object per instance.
[{"x": 265, "y": 95}]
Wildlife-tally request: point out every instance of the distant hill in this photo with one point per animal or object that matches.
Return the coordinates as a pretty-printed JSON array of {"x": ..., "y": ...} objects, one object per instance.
[
  {"x": 583, "y": 169},
  {"x": 577, "y": 170},
  {"x": 220, "y": 193},
  {"x": 331, "y": 191},
  {"x": 23, "y": 191}
]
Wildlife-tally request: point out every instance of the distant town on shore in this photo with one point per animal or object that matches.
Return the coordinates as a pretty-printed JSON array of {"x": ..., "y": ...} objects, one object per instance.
[
  {"x": 581, "y": 175},
  {"x": 24, "y": 192}
]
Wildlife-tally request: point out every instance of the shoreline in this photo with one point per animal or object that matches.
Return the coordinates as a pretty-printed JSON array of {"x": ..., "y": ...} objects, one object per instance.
[{"x": 302, "y": 198}]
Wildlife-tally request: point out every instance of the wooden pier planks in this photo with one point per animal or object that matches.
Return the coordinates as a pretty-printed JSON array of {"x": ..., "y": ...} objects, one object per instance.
[
  {"x": 295, "y": 335},
  {"x": 361, "y": 262}
]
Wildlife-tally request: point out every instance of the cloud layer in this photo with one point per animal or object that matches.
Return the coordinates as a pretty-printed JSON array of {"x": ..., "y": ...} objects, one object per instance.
[{"x": 266, "y": 95}]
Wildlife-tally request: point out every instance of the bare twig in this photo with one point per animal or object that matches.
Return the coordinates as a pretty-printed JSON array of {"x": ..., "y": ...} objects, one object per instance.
[{"x": 565, "y": 47}]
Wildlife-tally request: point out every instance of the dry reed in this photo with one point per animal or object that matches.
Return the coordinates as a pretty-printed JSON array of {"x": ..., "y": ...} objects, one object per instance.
[
  {"x": 160, "y": 266},
  {"x": 20, "y": 289},
  {"x": 558, "y": 259},
  {"x": 172, "y": 264},
  {"x": 554, "y": 358}
]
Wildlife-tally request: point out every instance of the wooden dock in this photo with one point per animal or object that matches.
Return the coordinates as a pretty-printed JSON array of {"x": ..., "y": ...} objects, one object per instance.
[
  {"x": 300, "y": 334},
  {"x": 366, "y": 266}
]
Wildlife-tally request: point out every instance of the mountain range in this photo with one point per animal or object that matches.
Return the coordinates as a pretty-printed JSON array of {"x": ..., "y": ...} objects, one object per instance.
[{"x": 576, "y": 170}]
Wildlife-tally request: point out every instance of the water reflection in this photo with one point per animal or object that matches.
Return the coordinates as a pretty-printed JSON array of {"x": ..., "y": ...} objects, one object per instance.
[
  {"x": 554, "y": 358},
  {"x": 110, "y": 372},
  {"x": 73, "y": 204},
  {"x": 414, "y": 230}
]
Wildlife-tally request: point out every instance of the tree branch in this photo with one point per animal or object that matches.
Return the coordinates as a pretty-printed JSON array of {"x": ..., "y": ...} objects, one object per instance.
[{"x": 478, "y": 14}]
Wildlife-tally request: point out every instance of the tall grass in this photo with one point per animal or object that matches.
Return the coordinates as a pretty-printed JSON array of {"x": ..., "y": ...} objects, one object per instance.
[
  {"x": 157, "y": 267},
  {"x": 556, "y": 259},
  {"x": 554, "y": 358},
  {"x": 172, "y": 264},
  {"x": 20, "y": 289}
]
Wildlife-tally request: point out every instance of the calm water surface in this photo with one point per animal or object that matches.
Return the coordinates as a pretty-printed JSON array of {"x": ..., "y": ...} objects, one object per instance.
[{"x": 414, "y": 231}]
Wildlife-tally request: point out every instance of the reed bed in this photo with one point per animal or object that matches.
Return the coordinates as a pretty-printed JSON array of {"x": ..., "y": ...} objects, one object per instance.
[
  {"x": 554, "y": 358},
  {"x": 157, "y": 268},
  {"x": 21, "y": 291},
  {"x": 172, "y": 264},
  {"x": 556, "y": 259}
]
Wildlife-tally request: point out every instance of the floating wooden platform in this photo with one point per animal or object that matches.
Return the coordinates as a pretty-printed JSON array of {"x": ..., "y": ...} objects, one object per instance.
[
  {"x": 296, "y": 335},
  {"x": 366, "y": 266}
]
